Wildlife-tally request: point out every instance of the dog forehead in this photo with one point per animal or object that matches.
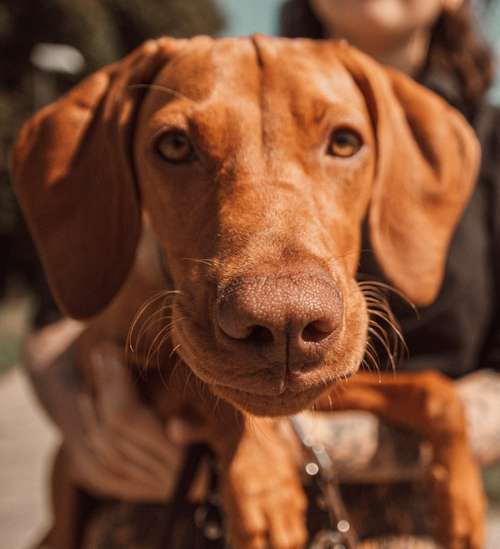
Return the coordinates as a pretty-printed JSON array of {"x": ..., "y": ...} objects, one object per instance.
[
  {"x": 309, "y": 73},
  {"x": 205, "y": 65},
  {"x": 257, "y": 67},
  {"x": 242, "y": 92}
]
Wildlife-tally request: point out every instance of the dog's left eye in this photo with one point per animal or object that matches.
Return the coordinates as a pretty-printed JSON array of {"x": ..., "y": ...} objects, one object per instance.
[
  {"x": 344, "y": 143},
  {"x": 175, "y": 147}
]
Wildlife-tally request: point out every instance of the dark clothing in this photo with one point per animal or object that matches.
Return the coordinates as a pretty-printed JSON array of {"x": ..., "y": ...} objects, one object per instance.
[{"x": 460, "y": 331}]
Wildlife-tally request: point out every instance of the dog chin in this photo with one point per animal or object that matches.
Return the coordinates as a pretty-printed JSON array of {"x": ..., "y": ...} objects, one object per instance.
[
  {"x": 287, "y": 403},
  {"x": 301, "y": 392}
]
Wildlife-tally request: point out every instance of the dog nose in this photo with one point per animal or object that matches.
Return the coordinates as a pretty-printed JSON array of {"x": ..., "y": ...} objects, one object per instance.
[{"x": 288, "y": 319}]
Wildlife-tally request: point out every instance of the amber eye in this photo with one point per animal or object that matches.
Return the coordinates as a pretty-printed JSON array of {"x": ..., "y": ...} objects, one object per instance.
[
  {"x": 344, "y": 143},
  {"x": 175, "y": 147}
]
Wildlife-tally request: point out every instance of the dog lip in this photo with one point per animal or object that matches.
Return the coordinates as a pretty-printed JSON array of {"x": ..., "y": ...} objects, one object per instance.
[
  {"x": 278, "y": 391},
  {"x": 288, "y": 388},
  {"x": 278, "y": 405},
  {"x": 281, "y": 393},
  {"x": 293, "y": 385}
]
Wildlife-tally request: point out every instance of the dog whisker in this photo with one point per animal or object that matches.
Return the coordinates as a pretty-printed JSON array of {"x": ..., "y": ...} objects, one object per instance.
[
  {"x": 385, "y": 346},
  {"x": 148, "y": 324},
  {"x": 147, "y": 327},
  {"x": 387, "y": 287},
  {"x": 382, "y": 326},
  {"x": 392, "y": 324},
  {"x": 174, "y": 350},
  {"x": 135, "y": 336},
  {"x": 204, "y": 261},
  {"x": 371, "y": 358},
  {"x": 161, "y": 337},
  {"x": 163, "y": 294},
  {"x": 148, "y": 303}
]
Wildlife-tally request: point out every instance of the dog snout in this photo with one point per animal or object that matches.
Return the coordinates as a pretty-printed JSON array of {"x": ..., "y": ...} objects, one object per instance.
[{"x": 289, "y": 319}]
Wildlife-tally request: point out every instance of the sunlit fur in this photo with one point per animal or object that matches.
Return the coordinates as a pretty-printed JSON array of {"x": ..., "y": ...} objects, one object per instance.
[{"x": 153, "y": 327}]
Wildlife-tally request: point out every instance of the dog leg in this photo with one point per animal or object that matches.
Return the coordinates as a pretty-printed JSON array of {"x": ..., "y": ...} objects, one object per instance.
[
  {"x": 261, "y": 489},
  {"x": 428, "y": 404}
]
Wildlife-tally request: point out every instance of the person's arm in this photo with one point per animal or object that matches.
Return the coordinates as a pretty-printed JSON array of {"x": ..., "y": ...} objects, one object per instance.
[
  {"x": 480, "y": 392},
  {"x": 49, "y": 362},
  {"x": 117, "y": 446},
  {"x": 355, "y": 438}
]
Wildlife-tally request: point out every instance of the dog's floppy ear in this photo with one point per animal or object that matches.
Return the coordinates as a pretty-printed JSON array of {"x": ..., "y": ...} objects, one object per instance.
[
  {"x": 427, "y": 163},
  {"x": 74, "y": 177}
]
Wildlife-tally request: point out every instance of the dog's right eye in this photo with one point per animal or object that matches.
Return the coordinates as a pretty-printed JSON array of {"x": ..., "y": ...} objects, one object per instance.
[
  {"x": 175, "y": 147},
  {"x": 344, "y": 143}
]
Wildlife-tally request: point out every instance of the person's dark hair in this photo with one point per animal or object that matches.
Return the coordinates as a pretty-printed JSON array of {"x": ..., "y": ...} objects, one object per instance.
[
  {"x": 456, "y": 46},
  {"x": 297, "y": 20}
]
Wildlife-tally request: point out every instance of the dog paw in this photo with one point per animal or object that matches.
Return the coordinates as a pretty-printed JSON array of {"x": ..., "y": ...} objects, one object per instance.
[
  {"x": 459, "y": 503},
  {"x": 265, "y": 513}
]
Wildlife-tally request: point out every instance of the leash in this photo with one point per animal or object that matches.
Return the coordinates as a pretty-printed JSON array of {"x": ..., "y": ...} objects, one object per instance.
[
  {"x": 320, "y": 467},
  {"x": 207, "y": 522},
  {"x": 207, "y": 532}
]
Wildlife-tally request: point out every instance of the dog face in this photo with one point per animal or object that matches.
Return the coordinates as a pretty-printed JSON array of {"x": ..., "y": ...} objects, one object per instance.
[
  {"x": 262, "y": 170},
  {"x": 256, "y": 161}
]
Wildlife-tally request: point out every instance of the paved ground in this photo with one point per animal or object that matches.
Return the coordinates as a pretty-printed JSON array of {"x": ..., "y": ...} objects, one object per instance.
[
  {"x": 26, "y": 445},
  {"x": 27, "y": 442},
  {"x": 494, "y": 529}
]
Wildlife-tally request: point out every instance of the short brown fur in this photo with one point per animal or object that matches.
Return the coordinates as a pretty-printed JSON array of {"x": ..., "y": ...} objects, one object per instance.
[{"x": 262, "y": 205}]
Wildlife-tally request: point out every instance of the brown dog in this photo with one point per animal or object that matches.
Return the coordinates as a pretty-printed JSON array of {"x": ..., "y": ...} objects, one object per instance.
[{"x": 255, "y": 161}]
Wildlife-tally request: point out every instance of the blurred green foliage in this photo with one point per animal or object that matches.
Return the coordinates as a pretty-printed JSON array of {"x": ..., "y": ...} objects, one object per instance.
[
  {"x": 10, "y": 351},
  {"x": 491, "y": 477},
  {"x": 14, "y": 318},
  {"x": 103, "y": 31}
]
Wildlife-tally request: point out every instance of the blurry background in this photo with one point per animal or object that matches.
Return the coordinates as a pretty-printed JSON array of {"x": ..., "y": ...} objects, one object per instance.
[{"x": 46, "y": 46}]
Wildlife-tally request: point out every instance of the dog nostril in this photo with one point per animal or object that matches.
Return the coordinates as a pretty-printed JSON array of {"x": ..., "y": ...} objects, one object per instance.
[
  {"x": 260, "y": 335},
  {"x": 317, "y": 331}
]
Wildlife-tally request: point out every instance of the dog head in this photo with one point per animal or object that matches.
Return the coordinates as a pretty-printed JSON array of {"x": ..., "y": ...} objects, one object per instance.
[{"x": 256, "y": 160}]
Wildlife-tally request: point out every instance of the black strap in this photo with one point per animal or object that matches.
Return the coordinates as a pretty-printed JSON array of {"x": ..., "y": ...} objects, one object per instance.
[
  {"x": 195, "y": 454},
  {"x": 325, "y": 482}
]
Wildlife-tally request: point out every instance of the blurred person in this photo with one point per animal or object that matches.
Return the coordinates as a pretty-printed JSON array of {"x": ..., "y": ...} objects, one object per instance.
[
  {"x": 102, "y": 31},
  {"x": 117, "y": 447},
  {"x": 438, "y": 43},
  {"x": 433, "y": 37}
]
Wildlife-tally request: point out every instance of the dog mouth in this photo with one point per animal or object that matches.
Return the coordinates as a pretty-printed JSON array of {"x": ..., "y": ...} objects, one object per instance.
[
  {"x": 293, "y": 397},
  {"x": 287, "y": 402},
  {"x": 266, "y": 383},
  {"x": 266, "y": 392},
  {"x": 270, "y": 390}
]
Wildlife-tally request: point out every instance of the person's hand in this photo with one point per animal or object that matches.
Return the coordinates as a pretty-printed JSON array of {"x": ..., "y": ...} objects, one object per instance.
[{"x": 124, "y": 450}]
